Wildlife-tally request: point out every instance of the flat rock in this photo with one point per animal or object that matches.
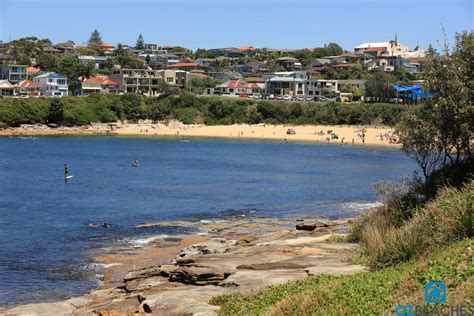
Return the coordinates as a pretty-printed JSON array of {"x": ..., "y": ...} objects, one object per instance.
[
  {"x": 216, "y": 245},
  {"x": 143, "y": 273},
  {"x": 58, "y": 308},
  {"x": 198, "y": 275},
  {"x": 271, "y": 266},
  {"x": 336, "y": 270}
]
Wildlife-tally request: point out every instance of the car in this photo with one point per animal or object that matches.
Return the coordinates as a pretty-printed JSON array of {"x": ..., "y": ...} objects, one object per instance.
[
  {"x": 300, "y": 98},
  {"x": 309, "y": 98},
  {"x": 279, "y": 97},
  {"x": 286, "y": 97}
]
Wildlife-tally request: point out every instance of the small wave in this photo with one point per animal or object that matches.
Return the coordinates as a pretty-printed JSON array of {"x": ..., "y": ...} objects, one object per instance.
[
  {"x": 140, "y": 242},
  {"x": 105, "y": 265},
  {"x": 359, "y": 206}
]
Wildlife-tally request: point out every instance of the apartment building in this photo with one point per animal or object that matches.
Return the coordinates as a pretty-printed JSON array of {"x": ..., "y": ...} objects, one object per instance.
[{"x": 13, "y": 73}]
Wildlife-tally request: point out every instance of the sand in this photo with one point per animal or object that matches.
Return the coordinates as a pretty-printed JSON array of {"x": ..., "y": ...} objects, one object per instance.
[{"x": 303, "y": 133}]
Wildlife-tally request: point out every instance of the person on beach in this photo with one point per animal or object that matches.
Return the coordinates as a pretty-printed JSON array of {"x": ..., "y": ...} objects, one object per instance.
[{"x": 66, "y": 170}]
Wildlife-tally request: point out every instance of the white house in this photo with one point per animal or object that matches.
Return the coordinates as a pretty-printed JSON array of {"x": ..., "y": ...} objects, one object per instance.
[{"x": 52, "y": 84}]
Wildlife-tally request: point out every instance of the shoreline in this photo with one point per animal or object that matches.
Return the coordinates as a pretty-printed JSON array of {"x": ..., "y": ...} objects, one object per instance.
[
  {"x": 131, "y": 281},
  {"x": 347, "y": 135}
]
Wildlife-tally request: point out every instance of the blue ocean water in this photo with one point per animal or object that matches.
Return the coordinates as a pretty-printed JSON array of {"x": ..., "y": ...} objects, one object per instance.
[{"x": 43, "y": 219}]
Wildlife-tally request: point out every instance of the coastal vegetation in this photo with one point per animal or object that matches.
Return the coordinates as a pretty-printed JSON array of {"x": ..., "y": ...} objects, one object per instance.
[
  {"x": 192, "y": 109},
  {"x": 423, "y": 232}
]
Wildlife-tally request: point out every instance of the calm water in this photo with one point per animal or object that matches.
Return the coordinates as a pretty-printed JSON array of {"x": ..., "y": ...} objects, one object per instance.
[{"x": 43, "y": 233}]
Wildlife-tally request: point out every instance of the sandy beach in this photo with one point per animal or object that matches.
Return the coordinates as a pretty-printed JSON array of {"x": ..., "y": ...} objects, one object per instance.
[{"x": 338, "y": 134}]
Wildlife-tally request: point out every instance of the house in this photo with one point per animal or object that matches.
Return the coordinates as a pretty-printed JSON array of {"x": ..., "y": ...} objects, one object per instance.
[
  {"x": 6, "y": 88},
  {"x": 99, "y": 84},
  {"x": 160, "y": 60},
  {"x": 381, "y": 63},
  {"x": 66, "y": 47},
  {"x": 230, "y": 52},
  {"x": 13, "y": 73},
  {"x": 97, "y": 61},
  {"x": 321, "y": 87},
  {"x": 318, "y": 62},
  {"x": 249, "y": 68},
  {"x": 188, "y": 66},
  {"x": 206, "y": 62},
  {"x": 49, "y": 49},
  {"x": 391, "y": 48},
  {"x": 286, "y": 83},
  {"x": 52, "y": 84},
  {"x": 107, "y": 47},
  {"x": 289, "y": 63},
  {"x": 142, "y": 81},
  {"x": 238, "y": 87},
  {"x": 174, "y": 77},
  {"x": 28, "y": 88},
  {"x": 32, "y": 71}
]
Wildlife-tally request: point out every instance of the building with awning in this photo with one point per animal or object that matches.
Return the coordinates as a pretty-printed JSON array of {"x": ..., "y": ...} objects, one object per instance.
[{"x": 413, "y": 92}]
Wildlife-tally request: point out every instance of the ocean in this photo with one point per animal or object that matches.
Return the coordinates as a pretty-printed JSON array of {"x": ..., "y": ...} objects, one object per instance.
[{"x": 46, "y": 246}]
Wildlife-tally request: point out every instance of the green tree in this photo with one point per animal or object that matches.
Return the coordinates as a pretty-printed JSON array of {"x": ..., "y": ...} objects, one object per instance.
[
  {"x": 140, "y": 42},
  {"x": 48, "y": 62},
  {"x": 440, "y": 135},
  {"x": 95, "y": 39},
  {"x": 333, "y": 49},
  {"x": 378, "y": 86},
  {"x": 56, "y": 111}
]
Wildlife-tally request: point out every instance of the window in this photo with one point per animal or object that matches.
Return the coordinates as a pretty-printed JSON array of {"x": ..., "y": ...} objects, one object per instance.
[
  {"x": 62, "y": 81},
  {"x": 169, "y": 79}
]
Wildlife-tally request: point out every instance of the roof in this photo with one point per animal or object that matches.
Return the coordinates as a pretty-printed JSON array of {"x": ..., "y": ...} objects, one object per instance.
[
  {"x": 5, "y": 84},
  {"x": 374, "y": 49},
  {"x": 28, "y": 84},
  {"x": 32, "y": 69},
  {"x": 185, "y": 65},
  {"x": 246, "y": 48},
  {"x": 51, "y": 75},
  {"x": 254, "y": 79},
  {"x": 106, "y": 45},
  {"x": 102, "y": 80},
  {"x": 287, "y": 59},
  {"x": 346, "y": 65},
  {"x": 238, "y": 84},
  {"x": 375, "y": 44}
]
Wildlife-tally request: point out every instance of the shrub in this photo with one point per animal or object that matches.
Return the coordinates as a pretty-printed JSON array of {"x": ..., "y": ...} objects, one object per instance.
[{"x": 186, "y": 115}]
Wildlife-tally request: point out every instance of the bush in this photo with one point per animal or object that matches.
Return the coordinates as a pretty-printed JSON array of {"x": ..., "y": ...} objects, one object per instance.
[
  {"x": 186, "y": 115},
  {"x": 387, "y": 238}
]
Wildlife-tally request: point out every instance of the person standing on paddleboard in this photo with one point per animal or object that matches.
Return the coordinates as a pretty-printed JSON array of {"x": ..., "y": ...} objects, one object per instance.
[{"x": 66, "y": 170}]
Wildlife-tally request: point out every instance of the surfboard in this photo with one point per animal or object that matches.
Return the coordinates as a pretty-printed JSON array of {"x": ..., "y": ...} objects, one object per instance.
[{"x": 68, "y": 177}]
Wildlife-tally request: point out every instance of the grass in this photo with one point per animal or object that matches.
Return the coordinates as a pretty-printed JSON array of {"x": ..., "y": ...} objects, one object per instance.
[
  {"x": 446, "y": 219},
  {"x": 363, "y": 293}
]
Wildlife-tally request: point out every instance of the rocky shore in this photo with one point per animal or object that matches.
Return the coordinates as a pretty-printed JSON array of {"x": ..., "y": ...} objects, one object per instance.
[{"x": 179, "y": 275}]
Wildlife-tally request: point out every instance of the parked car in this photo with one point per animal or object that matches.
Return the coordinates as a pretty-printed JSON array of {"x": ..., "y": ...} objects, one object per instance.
[
  {"x": 279, "y": 97},
  {"x": 286, "y": 97},
  {"x": 300, "y": 98},
  {"x": 309, "y": 98}
]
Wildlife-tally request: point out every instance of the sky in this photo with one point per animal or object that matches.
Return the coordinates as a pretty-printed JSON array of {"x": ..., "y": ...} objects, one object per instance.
[{"x": 234, "y": 23}]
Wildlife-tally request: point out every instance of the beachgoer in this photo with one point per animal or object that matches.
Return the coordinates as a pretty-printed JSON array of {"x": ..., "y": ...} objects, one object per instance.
[
  {"x": 105, "y": 225},
  {"x": 135, "y": 163},
  {"x": 66, "y": 170}
]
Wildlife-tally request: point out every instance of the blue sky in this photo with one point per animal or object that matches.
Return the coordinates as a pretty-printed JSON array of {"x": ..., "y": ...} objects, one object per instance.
[{"x": 234, "y": 23}]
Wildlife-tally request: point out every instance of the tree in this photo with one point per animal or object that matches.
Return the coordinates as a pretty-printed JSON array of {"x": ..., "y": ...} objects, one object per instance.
[
  {"x": 439, "y": 136},
  {"x": 48, "y": 62},
  {"x": 140, "y": 42},
  {"x": 95, "y": 39},
  {"x": 56, "y": 111},
  {"x": 378, "y": 86},
  {"x": 333, "y": 49}
]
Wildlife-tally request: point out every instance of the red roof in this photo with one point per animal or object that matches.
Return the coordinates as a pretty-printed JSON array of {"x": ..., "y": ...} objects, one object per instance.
[
  {"x": 106, "y": 45},
  {"x": 246, "y": 48},
  {"x": 178, "y": 65},
  {"x": 102, "y": 80},
  {"x": 32, "y": 69},
  {"x": 28, "y": 84},
  {"x": 375, "y": 49},
  {"x": 239, "y": 84}
]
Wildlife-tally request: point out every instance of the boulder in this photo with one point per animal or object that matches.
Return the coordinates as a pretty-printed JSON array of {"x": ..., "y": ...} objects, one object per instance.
[
  {"x": 216, "y": 245},
  {"x": 198, "y": 275},
  {"x": 311, "y": 225}
]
